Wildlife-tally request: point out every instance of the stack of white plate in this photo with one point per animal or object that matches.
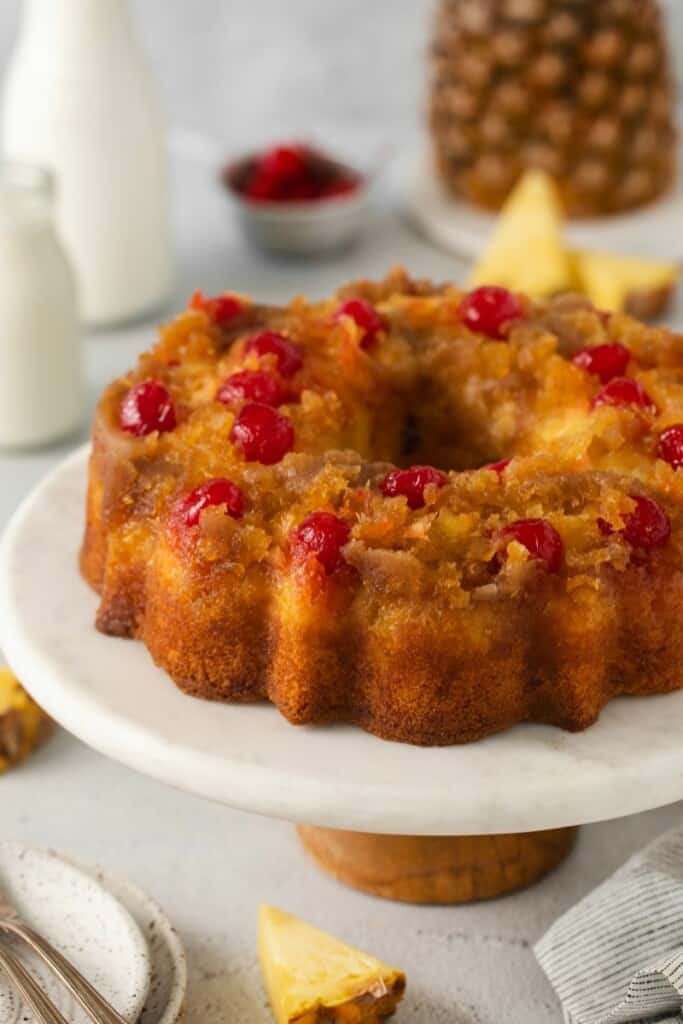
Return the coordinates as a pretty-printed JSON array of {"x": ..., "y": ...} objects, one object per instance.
[{"x": 116, "y": 936}]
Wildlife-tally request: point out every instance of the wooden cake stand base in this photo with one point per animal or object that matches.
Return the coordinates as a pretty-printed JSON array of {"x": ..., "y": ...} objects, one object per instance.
[{"x": 437, "y": 869}]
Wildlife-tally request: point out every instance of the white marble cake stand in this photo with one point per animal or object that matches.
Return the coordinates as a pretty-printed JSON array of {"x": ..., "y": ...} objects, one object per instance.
[{"x": 108, "y": 692}]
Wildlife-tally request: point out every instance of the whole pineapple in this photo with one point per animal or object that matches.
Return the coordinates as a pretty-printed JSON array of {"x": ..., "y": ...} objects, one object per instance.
[{"x": 580, "y": 88}]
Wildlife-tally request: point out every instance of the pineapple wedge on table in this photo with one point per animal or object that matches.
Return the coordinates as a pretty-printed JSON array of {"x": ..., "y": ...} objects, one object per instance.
[
  {"x": 23, "y": 725},
  {"x": 525, "y": 252},
  {"x": 623, "y": 283},
  {"x": 311, "y": 977}
]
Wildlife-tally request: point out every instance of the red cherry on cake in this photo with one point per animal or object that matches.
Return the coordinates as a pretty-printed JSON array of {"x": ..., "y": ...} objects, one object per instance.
[
  {"x": 224, "y": 308},
  {"x": 252, "y": 386},
  {"x": 410, "y": 483},
  {"x": 364, "y": 314},
  {"x": 499, "y": 467},
  {"x": 540, "y": 538},
  {"x": 624, "y": 391},
  {"x": 321, "y": 534},
  {"x": 670, "y": 447},
  {"x": 605, "y": 361},
  {"x": 145, "y": 408},
  {"x": 269, "y": 343},
  {"x": 488, "y": 309},
  {"x": 213, "y": 492},
  {"x": 648, "y": 526},
  {"x": 263, "y": 434},
  {"x": 221, "y": 308}
]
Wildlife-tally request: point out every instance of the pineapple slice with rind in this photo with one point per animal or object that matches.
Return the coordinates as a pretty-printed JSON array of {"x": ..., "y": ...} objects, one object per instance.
[
  {"x": 312, "y": 977},
  {"x": 618, "y": 283},
  {"x": 525, "y": 252},
  {"x": 23, "y": 725}
]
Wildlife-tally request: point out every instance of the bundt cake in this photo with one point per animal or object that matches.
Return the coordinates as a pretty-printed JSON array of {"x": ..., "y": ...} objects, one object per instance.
[{"x": 428, "y": 513}]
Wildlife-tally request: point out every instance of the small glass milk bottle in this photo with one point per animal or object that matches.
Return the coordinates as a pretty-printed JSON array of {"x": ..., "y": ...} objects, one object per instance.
[{"x": 41, "y": 386}]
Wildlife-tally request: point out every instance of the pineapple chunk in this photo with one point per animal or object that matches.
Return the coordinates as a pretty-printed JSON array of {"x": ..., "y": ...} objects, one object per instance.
[
  {"x": 23, "y": 725},
  {"x": 312, "y": 977},
  {"x": 623, "y": 283},
  {"x": 525, "y": 252}
]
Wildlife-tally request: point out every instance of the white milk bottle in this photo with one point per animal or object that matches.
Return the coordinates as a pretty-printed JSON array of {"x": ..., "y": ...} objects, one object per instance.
[
  {"x": 80, "y": 100},
  {"x": 41, "y": 387}
]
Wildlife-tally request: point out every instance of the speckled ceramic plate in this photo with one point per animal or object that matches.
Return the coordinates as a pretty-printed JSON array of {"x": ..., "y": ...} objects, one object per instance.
[
  {"x": 165, "y": 1001},
  {"x": 84, "y": 921}
]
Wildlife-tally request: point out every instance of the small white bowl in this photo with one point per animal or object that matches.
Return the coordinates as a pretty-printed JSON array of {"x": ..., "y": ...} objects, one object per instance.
[{"x": 299, "y": 227}]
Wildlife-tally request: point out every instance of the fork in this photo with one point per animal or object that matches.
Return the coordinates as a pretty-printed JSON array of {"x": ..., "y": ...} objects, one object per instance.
[
  {"x": 44, "y": 1010},
  {"x": 94, "y": 1005}
]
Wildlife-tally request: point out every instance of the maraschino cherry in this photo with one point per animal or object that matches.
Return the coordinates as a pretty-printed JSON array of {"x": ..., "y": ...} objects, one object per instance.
[
  {"x": 222, "y": 309},
  {"x": 263, "y": 434},
  {"x": 288, "y": 357},
  {"x": 364, "y": 314},
  {"x": 646, "y": 527},
  {"x": 540, "y": 538},
  {"x": 499, "y": 467},
  {"x": 322, "y": 535},
  {"x": 147, "y": 407},
  {"x": 670, "y": 447},
  {"x": 218, "y": 491},
  {"x": 489, "y": 309},
  {"x": 252, "y": 386},
  {"x": 410, "y": 483},
  {"x": 605, "y": 361},
  {"x": 623, "y": 392}
]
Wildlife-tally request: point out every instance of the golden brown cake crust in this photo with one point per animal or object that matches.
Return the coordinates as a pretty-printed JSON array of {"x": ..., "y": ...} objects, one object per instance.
[{"x": 427, "y": 634}]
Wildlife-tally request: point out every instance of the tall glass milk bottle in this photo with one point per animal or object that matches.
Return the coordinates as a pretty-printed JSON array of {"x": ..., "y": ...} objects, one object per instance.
[
  {"x": 80, "y": 100},
  {"x": 41, "y": 385}
]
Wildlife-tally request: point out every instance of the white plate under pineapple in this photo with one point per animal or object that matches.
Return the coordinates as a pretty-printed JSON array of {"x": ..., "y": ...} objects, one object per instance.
[
  {"x": 456, "y": 225},
  {"x": 109, "y": 693},
  {"x": 82, "y": 919}
]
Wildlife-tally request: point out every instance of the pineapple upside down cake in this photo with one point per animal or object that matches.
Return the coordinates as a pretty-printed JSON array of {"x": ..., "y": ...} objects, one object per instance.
[{"x": 429, "y": 513}]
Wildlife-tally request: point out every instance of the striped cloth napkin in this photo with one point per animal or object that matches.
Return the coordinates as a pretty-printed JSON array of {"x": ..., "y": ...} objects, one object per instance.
[{"x": 617, "y": 956}]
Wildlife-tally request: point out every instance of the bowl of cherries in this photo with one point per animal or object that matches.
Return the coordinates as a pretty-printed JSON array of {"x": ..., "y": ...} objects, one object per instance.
[{"x": 293, "y": 198}]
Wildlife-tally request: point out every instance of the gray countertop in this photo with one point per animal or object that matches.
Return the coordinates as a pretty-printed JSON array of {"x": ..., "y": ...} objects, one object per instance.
[{"x": 207, "y": 865}]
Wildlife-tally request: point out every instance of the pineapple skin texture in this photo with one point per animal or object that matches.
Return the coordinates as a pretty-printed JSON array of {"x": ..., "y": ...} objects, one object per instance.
[
  {"x": 312, "y": 976},
  {"x": 582, "y": 89}
]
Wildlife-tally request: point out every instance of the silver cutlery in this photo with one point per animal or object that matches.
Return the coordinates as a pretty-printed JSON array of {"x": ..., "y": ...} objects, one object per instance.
[
  {"x": 44, "y": 1010},
  {"x": 95, "y": 1006}
]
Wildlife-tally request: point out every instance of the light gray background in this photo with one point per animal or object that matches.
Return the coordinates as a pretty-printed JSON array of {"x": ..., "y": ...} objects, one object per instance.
[
  {"x": 242, "y": 72},
  {"x": 254, "y": 69},
  {"x": 246, "y": 70}
]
